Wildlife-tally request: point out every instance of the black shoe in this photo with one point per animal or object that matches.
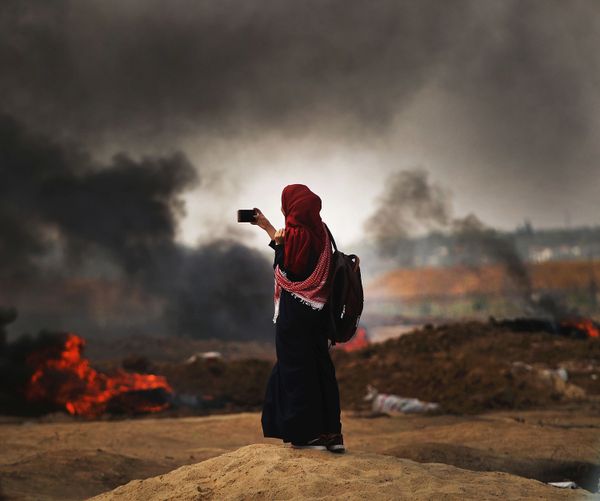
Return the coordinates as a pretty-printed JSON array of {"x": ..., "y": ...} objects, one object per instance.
[
  {"x": 319, "y": 443},
  {"x": 335, "y": 443}
]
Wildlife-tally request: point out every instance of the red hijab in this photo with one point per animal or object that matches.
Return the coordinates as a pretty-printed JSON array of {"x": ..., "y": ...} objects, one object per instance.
[{"x": 304, "y": 232}]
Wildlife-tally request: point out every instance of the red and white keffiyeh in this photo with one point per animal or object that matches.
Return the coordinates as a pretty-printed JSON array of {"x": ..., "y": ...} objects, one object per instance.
[{"x": 314, "y": 291}]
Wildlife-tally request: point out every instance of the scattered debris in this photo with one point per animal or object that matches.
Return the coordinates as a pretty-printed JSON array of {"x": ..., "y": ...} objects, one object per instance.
[
  {"x": 393, "y": 404},
  {"x": 564, "y": 485},
  {"x": 206, "y": 355},
  {"x": 556, "y": 379}
]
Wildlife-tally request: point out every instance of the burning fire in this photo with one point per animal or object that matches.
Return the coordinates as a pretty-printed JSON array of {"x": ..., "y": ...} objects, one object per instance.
[
  {"x": 358, "y": 342},
  {"x": 585, "y": 325},
  {"x": 61, "y": 376}
]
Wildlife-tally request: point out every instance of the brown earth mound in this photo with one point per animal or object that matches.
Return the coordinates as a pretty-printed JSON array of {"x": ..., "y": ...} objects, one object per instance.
[
  {"x": 173, "y": 349},
  {"x": 466, "y": 367},
  {"x": 469, "y": 368},
  {"x": 427, "y": 282},
  {"x": 230, "y": 386},
  {"x": 277, "y": 472}
]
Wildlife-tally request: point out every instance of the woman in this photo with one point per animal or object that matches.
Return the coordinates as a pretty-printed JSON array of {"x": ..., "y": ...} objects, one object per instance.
[{"x": 302, "y": 401}]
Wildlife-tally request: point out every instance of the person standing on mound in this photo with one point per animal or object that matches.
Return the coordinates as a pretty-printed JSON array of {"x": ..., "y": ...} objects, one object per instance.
[{"x": 302, "y": 400}]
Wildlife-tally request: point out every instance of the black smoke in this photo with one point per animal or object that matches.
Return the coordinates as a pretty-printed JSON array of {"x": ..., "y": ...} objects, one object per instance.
[
  {"x": 523, "y": 72},
  {"x": 127, "y": 208},
  {"x": 484, "y": 242},
  {"x": 412, "y": 203},
  {"x": 146, "y": 75},
  {"x": 62, "y": 217},
  {"x": 7, "y": 316},
  {"x": 157, "y": 69}
]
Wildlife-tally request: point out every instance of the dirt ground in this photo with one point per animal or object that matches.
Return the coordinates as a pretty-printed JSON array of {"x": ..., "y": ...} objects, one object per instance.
[
  {"x": 466, "y": 367},
  {"x": 76, "y": 459},
  {"x": 472, "y": 367},
  {"x": 503, "y": 409}
]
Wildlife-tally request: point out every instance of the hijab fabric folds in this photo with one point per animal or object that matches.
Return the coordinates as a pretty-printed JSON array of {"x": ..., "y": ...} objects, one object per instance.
[{"x": 305, "y": 233}]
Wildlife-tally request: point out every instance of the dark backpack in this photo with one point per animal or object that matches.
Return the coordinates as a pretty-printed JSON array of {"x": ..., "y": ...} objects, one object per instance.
[{"x": 346, "y": 295}]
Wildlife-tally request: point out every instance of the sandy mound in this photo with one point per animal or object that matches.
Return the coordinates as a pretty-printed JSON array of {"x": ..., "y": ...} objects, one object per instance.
[{"x": 265, "y": 471}]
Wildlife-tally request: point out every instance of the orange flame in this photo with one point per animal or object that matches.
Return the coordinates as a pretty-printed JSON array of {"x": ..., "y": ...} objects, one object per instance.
[
  {"x": 357, "y": 342},
  {"x": 588, "y": 326},
  {"x": 67, "y": 380}
]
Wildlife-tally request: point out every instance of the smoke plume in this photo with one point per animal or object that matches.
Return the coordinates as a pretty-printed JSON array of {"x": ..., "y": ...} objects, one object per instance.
[
  {"x": 486, "y": 242},
  {"x": 63, "y": 216},
  {"x": 411, "y": 203},
  {"x": 523, "y": 72}
]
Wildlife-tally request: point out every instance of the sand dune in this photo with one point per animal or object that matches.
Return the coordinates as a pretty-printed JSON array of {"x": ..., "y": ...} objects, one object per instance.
[{"x": 265, "y": 471}]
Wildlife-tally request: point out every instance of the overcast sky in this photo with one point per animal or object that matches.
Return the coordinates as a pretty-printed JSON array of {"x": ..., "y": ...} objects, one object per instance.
[{"x": 498, "y": 100}]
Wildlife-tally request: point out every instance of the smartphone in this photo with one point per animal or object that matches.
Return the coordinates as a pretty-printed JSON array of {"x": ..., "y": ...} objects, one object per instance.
[{"x": 246, "y": 215}]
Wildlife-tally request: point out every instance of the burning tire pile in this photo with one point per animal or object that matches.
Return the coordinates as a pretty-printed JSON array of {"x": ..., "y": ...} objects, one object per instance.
[{"x": 50, "y": 373}]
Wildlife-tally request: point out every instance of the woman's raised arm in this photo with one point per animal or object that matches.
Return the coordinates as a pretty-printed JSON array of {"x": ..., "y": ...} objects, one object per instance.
[{"x": 262, "y": 222}]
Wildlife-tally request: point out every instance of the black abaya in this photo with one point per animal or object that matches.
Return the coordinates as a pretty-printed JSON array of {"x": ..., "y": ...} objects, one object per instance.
[{"x": 302, "y": 398}]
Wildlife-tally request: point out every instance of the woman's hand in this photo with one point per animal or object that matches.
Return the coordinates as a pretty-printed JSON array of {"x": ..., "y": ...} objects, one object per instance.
[
  {"x": 262, "y": 222},
  {"x": 279, "y": 236}
]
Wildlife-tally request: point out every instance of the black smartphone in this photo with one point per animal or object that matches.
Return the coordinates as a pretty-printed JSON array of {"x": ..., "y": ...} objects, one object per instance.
[{"x": 246, "y": 215}]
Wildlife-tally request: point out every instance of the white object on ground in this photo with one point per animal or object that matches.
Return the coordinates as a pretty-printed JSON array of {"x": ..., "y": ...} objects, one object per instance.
[
  {"x": 205, "y": 355},
  {"x": 393, "y": 404},
  {"x": 562, "y": 373},
  {"x": 564, "y": 485}
]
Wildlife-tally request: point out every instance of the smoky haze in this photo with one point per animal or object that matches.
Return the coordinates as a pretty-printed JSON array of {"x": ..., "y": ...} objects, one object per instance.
[
  {"x": 114, "y": 112},
  {"x": 524, "y": 71},
  {"x": 412, "y": 203},
  {"x": 154, "y": 68}
]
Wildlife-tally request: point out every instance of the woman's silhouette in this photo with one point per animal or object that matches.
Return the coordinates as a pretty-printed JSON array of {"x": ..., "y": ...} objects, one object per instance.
[{"x": 302, "y": 402}]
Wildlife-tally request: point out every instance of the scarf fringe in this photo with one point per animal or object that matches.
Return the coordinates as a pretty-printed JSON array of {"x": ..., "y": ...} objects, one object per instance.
[{"x": 313, "y": 304}]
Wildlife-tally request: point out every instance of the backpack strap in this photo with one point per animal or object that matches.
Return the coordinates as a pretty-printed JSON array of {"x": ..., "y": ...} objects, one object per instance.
[
  {"x": 331, "y": 237},
  {"x": 354, "y": 256}
]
